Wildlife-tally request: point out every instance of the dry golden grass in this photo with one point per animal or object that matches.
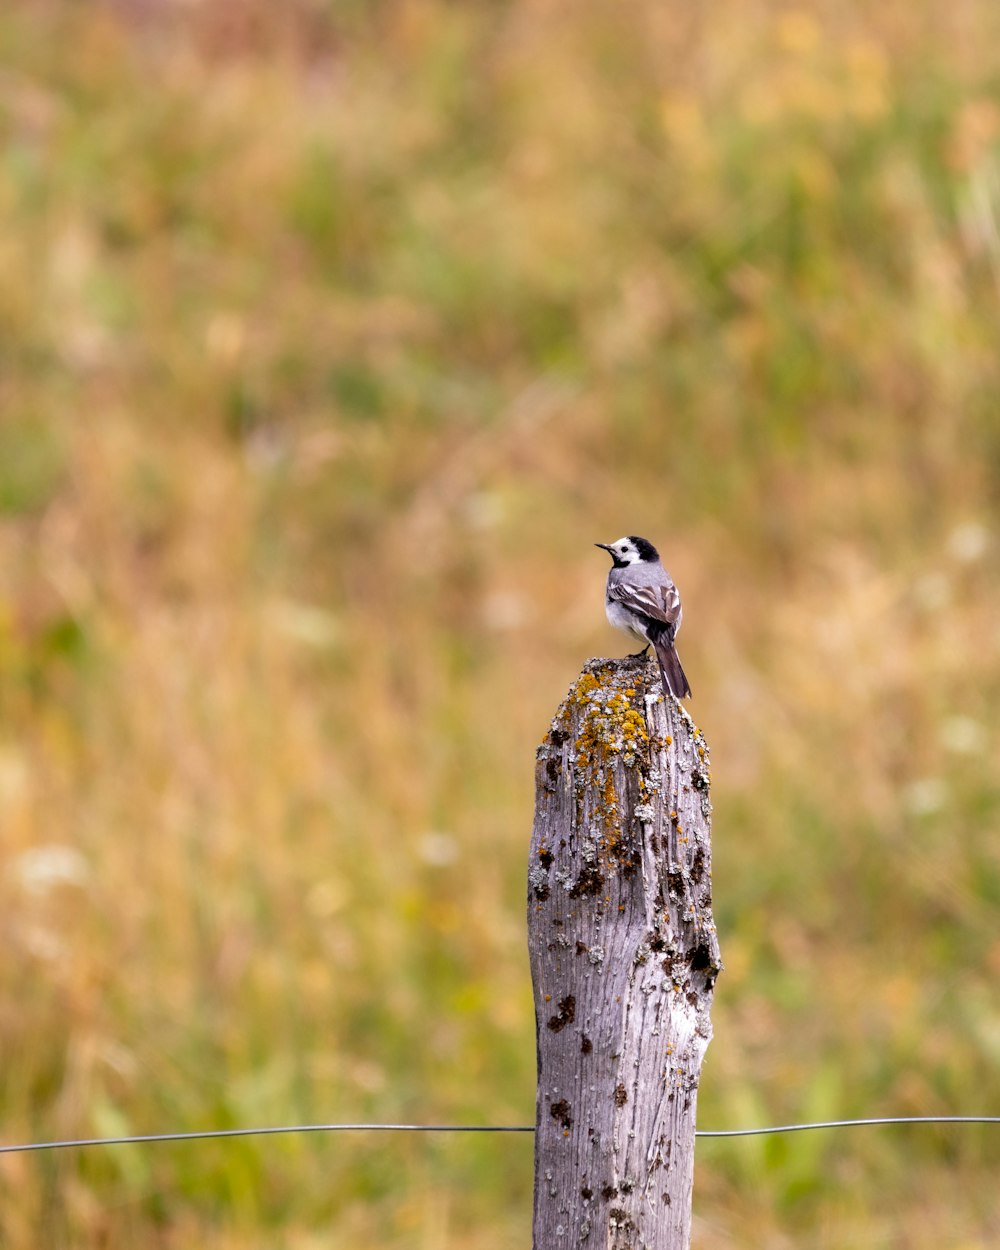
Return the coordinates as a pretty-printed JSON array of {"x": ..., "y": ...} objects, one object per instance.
[{"x": 331, "y": 337}]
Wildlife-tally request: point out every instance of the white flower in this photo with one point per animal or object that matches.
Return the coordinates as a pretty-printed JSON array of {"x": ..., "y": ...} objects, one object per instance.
[
  {"x": 925, "y": 797},
  {"x": 968, "y": 543},
  {"x": 437, "y": 849},
  {"x": 43, "y": 867},
  {"x": 963, "y": 735}
]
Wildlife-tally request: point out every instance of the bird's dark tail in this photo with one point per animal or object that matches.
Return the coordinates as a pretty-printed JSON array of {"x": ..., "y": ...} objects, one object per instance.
[{"x": 674, "y": 680}]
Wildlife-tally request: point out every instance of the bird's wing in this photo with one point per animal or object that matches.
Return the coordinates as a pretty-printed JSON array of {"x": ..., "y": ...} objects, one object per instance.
[{"x": 658, "y": 602}]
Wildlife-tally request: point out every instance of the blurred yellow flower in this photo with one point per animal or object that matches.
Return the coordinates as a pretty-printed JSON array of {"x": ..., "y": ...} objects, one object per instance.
[
  {"x": 684, "y": 122},
  {"x": 797, "y": 31}
]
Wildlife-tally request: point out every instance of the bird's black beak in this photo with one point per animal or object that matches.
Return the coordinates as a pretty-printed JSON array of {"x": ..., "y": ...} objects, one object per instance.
[{"x": 606, "y": 546}]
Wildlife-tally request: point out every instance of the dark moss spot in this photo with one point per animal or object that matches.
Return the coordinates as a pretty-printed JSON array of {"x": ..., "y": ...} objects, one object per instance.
[
  {"x": 625, "y": 849},
  {"x": 582, "y": 948},
  {"x": 586, "y": 1194},
  {"x": 657, "y": 943},
  {"x": 698, "y": 866},
  {"x": 609, "y": 1192},
  {"x": 586, "y": 1045},
  {"x": 541, "y": 892},
  {"x": 674, "y": 964},
  {"x": 589, "y": 882},
  {"x": 557, "y": 736},
  {"x": 701, "y": 957},
  {"x": 566, "y": 1015},
  {"x": 621, "y": 1095},
  {"x": 552, "y": 769},
  {"x": 561, "y": 1112},
  {"x": 699, "y": 780},
  {"x": 545, "y": 858},
  {"x": 666, "y": 1199},
  {"x": 627, "y": 1187}
]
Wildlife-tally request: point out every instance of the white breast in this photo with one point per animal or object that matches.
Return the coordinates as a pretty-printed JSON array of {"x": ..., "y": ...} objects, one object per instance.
[{"x": 621, "y": 618}]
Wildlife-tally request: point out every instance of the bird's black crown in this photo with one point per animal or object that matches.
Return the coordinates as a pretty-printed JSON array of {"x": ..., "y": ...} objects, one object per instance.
[{"x": 644, "y": 547}]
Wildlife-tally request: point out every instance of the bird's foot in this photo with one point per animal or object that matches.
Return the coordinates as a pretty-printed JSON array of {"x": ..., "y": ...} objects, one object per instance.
[{"x": 637, "y": 655}]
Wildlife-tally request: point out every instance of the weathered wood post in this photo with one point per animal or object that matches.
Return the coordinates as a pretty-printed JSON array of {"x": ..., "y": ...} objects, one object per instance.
[{"x": 624, "y": 958}]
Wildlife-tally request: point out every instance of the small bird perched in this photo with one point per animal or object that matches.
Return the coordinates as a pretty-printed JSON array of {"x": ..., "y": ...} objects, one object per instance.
[{"x": 642, "y": 600}]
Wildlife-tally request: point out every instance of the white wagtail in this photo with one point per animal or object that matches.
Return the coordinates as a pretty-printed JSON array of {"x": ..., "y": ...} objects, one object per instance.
[{"x": 643, "y": 601}]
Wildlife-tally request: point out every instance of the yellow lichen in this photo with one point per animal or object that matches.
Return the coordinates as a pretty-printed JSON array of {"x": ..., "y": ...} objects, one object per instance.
[{"x": 611, "y": 732}]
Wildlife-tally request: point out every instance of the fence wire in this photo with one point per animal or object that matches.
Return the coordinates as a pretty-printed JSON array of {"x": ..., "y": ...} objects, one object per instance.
[{"x": 273, "y": 1130}]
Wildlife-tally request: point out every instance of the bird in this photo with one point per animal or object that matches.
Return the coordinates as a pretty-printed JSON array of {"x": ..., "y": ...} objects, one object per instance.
[{"x": 642, "y": 600}]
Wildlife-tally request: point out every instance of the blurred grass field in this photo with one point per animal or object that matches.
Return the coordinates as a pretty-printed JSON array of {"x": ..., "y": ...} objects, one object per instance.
[{"x": 332, "y": 335}]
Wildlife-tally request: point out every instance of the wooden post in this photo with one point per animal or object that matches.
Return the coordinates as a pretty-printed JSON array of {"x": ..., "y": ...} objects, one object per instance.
[{"x": 624, "y": 958}]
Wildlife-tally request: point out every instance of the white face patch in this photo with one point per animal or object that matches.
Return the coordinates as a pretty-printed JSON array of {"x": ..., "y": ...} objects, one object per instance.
[{"x": 625, "y": 552}]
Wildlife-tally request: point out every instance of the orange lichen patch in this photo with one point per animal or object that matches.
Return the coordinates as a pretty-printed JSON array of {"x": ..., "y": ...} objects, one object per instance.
[
  {"x": 611, "y": 723},
  {"x": 610, "y": 728}
]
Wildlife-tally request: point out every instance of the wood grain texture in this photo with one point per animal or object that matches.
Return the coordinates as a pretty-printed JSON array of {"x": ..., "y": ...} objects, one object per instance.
[{"x": 624, "y": 958}]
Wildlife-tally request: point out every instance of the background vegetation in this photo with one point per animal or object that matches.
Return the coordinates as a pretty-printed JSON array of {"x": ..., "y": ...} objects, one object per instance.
[{"x": 331, "y": 337}]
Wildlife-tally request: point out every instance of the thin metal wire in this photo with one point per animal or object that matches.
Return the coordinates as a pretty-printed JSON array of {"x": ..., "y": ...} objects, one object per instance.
[
  {"x": 885, "y": 1119},
  {"x": 473, "y": 1128},
  {"x": 270, "y": 1131}
]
